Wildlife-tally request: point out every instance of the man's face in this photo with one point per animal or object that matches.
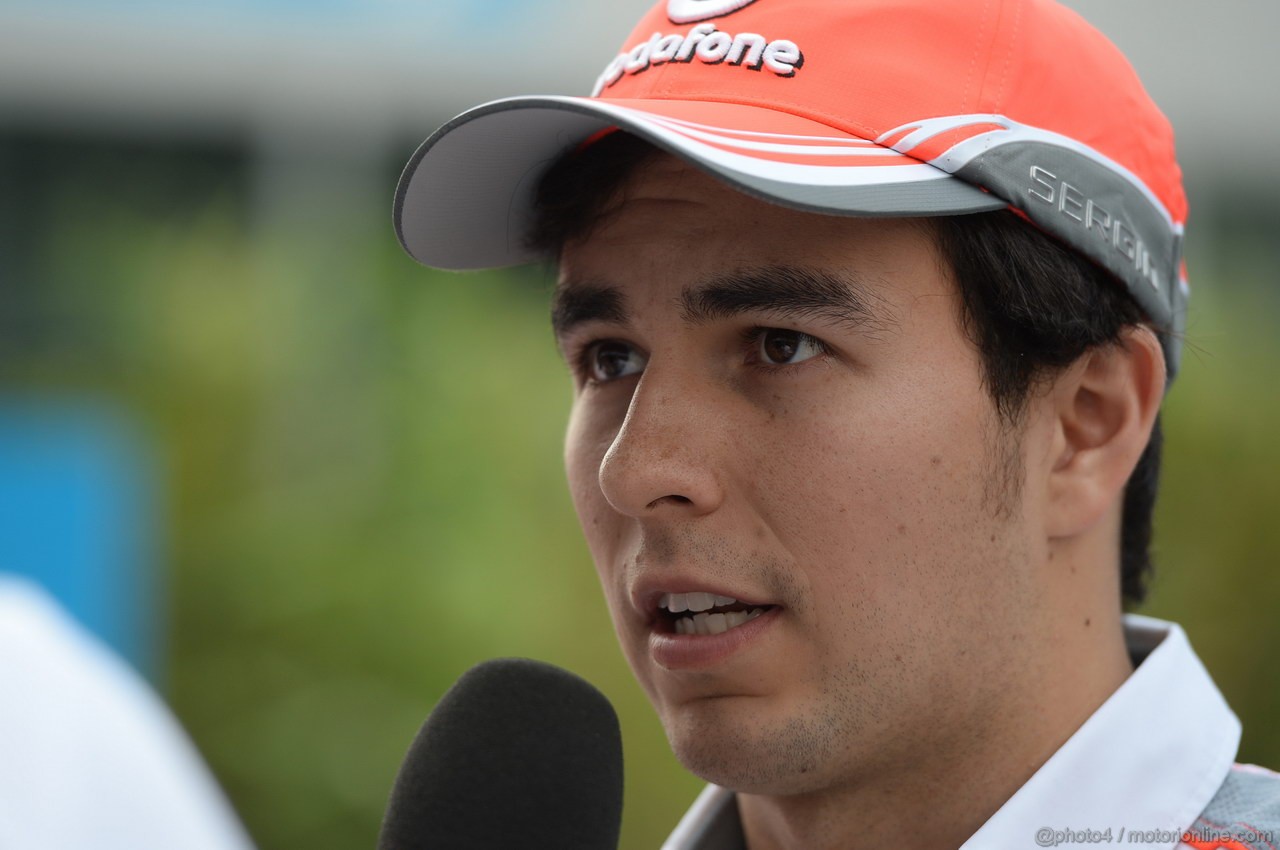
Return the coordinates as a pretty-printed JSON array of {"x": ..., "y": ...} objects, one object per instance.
[{"x": 782, "y": 408}]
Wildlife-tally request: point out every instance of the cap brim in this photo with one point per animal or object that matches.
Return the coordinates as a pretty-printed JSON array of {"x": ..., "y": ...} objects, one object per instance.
[{"x": 465, "y": 200}]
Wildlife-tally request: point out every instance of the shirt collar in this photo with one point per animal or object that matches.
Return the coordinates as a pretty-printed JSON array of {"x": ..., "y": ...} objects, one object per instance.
[{"x": 1150, "y": 758}]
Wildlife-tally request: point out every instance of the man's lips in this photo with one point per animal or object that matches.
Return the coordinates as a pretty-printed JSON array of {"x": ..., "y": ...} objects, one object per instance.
[
  {"x": 681, "y": 651},
  {"x": 693, "y": 624}
]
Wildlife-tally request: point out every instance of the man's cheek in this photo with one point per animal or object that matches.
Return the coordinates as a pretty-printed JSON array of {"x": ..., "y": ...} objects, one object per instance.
[{"x": 582, "y": 473}]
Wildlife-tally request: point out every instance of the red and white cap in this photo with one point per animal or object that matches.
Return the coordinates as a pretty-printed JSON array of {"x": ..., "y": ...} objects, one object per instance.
[{"x": 845, "y": 107}]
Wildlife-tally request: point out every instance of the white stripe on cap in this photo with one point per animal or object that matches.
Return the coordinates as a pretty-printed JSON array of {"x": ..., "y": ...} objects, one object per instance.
[{"x": 962, "y": 153}]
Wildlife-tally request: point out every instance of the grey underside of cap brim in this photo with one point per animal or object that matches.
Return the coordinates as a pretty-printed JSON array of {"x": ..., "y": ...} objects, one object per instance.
[
  {"x": 465, "y": 200},
  {"x": 935, "y": 197}
]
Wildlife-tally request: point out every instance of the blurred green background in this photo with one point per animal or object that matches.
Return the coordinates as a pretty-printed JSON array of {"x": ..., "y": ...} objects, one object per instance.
[{"x": 360, "y": 458}]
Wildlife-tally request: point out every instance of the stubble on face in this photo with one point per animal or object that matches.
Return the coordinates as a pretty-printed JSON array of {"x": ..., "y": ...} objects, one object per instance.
[
  {"x": 758, "y": 754},
  {"x": 901, "y": 706}
]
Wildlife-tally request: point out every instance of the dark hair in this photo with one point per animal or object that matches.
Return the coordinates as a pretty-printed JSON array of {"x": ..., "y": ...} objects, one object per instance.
[{"x": 1030, "y": 305}]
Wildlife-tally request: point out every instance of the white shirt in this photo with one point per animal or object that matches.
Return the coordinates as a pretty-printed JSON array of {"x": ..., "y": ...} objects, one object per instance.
[
  {"x": 90, "y": 758},
  {"x": 1148, "y": 760}
]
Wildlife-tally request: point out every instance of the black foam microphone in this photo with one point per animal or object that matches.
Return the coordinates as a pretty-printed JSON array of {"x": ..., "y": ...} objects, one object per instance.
[{"x": 517, "y": 754}]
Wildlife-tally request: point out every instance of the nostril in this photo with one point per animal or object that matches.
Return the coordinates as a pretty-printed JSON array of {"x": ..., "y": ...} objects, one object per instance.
[{"x": 673, "y": 499}]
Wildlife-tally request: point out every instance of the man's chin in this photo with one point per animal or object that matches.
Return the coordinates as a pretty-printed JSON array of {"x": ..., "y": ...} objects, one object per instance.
[{"x": 751, "y": 755}]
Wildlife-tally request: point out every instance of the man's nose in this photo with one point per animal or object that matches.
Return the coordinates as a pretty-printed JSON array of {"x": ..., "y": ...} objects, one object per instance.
[{"x": 665, "y": 459}]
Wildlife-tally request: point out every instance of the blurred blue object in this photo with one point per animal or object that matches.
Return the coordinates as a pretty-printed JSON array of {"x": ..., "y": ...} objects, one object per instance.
[{"x": 78, "y": 502}]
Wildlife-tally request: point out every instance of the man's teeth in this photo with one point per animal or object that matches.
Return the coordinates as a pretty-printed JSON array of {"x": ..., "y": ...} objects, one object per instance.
[
  {"x": 714, "y": 624},
  {"x": 698, "y": 620},
  {"x": 697, "y": 601}
]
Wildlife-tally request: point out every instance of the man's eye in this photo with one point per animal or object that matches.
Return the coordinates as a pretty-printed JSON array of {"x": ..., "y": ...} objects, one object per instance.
[
  {"x": 607, "y": 361},
  {"x": 779, "y": 346}
]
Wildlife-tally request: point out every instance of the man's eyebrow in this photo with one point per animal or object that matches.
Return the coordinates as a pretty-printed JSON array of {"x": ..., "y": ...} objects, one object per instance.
[
  {"x": 799, "y": 292},
  {"x": 792, "y": 291},
  {"x": 576, "y": 303}
]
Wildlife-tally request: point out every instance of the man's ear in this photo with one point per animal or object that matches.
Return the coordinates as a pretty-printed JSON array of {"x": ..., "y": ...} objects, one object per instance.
[{"x": 1104, "y": 405}]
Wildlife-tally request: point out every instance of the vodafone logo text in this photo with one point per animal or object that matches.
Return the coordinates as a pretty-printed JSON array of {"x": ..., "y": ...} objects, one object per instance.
[
  {"x": 708, "y": 45},
  {"x": 688, "y": 11}
]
